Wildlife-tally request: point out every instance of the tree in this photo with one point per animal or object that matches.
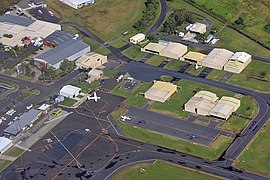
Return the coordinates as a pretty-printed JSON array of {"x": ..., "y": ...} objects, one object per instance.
[
  {"x": 67, "y": 65},
  {"x": 267, "y": 28}
]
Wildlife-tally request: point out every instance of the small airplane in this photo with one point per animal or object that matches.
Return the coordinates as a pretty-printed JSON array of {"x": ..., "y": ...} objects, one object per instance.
[
  {"x": 95, "y": 97},
  {"x": 192, "y": 136},
  {"x": 124, "y": 118},
  {"x": 197, "y": 66}
]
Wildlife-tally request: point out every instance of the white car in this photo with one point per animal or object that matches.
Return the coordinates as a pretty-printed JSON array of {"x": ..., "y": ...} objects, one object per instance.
[
  {"x": 16, "y": 118},
  {"x": 50, "y": 12},
  {"x": 3, "y": 118},
  {"x": 39, "y": 11},
  {"x": 11, "y": 122},
  {"x": 29, "y": 107}
]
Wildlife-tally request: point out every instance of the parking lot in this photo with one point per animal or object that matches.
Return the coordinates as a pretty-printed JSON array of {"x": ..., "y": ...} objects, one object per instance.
[{"x": 43, "y": 14}]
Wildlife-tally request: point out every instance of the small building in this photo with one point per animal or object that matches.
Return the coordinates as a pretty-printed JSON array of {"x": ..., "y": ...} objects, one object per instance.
[
  {"x": 70, "y": 91},
  {"x": 201, "y": 103},
  {"x": 160, "y": 91},
  {"x": 77, "y": 4},
  {"x": 195, "y": 57},
  {"x": 199, "y": 28},
  {"x": 174, "y": 50},
  {"x": 5, "y": 144},
  {"x": 154, "y": 48},
  {"x": 25, "y": 120},
  {"x": 70, "y": 50},
  {"x": 91, "y": 60},
  {"x": 137, "y": 38},
  {"x": 238, "y": 62},
  {"x": 94, "y": 75},
  {"x": 217, "y": 58},
  {"x": 44, "y": 108},
  {"x": 225, "y": 107}
]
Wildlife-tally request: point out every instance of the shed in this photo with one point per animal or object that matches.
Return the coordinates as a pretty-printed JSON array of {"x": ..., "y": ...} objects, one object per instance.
[
  {"x": 160, "y": 91},
  {"x": 91, "y": 60},
  {"x": 70, "y": 91},
  {"x": 44, "y": 108},
  {"x": 198, "y": 28},
  {"x": 76, "y": 4},
  {"x": 137, "y": 38},
  {"x": 5, "y": 144}
]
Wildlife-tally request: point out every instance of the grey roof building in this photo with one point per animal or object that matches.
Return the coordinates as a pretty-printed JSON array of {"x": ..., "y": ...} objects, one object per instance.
[
  {"x": 26, "y": 119},
  {"x": 18, "y": 20},
  {"x": 70, "y": 50},
  {"x": 59, "y": 37}
]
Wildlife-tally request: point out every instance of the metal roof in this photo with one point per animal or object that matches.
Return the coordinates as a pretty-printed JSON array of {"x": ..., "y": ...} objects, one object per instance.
[
  {"x": 7, "y": 18},
  {"x": 63, "y": 51},
  {"x": 218, "y": 56},
  {"x": 59, "y": 37},
  {"x": 4, "y": 142},
  {"x": 26, "y": 119},
  {"x": 241, "y": 57},
  {"x": 69, "y": 89}
]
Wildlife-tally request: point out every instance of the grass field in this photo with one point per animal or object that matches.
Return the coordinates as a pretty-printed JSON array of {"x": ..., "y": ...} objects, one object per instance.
[
  {"x": 4, "y": 164},
  {"x": 248, "y": 107},
  {"x": 106, "y": 18},
  {"x": 174, "y": 65},
  {"x": 134, "y": 52},
  {"x": 174, "y": 106},
  {"x": 160, "y": 170},
  {"x": 102, "y": 50},
  {"x": 234, "y": 124},
  {"x": 228, "y": 38},
  {"x": 212, "y": 153},
  {"x": 248, "y": 10},
  {"x": 86, "y": 87},
  {"x": 14, "y": 152},
  {"x": 259, "y": 148},
  {"x": 216, "y": 75},
  {"x": 110, "y": 73},
  {"x": 134, "y": 98},
  {"x": 191, "y": 70},
  {"x": 155, "y": 60},
  {"x": 255, "y": 76},
  {"x": 68, "y": 102},
  {"x": 166, "y": 78},
  {"x": 118, "y": 43}
]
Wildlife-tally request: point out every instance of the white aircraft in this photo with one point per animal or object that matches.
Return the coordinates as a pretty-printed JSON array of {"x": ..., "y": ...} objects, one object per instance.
[
  {"x": 95, "y": 97},
  {"x": 197, "y": 66}
]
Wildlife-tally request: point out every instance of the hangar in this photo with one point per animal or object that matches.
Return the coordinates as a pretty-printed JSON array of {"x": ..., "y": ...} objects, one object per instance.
[
  {"x": 137, "y": 38},
  {"x": 154, "y": 48},
  {"x": 195, "y": 57},
  {"x": 70, "y": 91},
  {"x": 198, "y": 28},
  {"x": 91, "y": 60},
  {"x": 174, "y": 50},
  {"x": 160, "y": 91},
  {"x": 201, "y": 103},
  {"x": 238, "y": 62},
  {"x": 217, "y": 58},
  {"x": 225, "y": 107},
  {"x": 76, "y": 4},
  {"x": 5, "y": 144}
]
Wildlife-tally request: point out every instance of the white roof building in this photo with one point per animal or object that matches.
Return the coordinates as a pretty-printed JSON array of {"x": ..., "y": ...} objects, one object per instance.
[
  {"x": 137, "y": 38},
  {"x": 241, "y": 57},
  {"x": 198, "y": 28},
  {"x": 5, "y": 144},
  {"x": 70, "y": 91},
  {"x": 78, "y": 3}
]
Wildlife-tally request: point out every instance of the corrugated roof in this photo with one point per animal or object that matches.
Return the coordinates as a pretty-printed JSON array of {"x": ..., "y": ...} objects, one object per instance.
[
  {"x": 206, "y": 95},
  {"x": 59, "y": 37},
  {"x": 90, "y": 59},
  {"x": 218, "y": 56},
  {"x": 4, "y": 142},
  {"x": 63, "y": 51},
  {"x": 241, "y": 56},
  {"x": 201, "y": 103},
  {"x": 195, "y": 56},
  {"x": 154, "y": 47},
  {"x": 235, "y": 103},
  {"x": 222, "y": 109},
  {"x": 26, "y": 119},
  {"x": 69, "y": 89},
  {"x": 175, "y": 48},
  {"x": 137, "y": 37},
  {"x": 198, "y": 27},
  {"x": 7, "y": 18}
]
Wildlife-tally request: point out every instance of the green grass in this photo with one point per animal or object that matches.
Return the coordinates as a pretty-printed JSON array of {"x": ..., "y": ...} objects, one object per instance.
[
  {"x": 13, "y": 87},
  {"x": 248, "y": 107},
  {"x": 86, "y": 87},
  {"x": 191, "y": 70},
  {"x": 4, "y": 164},
  {"x": 93, "y": 44},
  {"x": 9, "y": 72},
  {"x": 117, "y": 113},
  {"x": 256, "y": 157},
  {"x": 68, "y": 102},
  {"x": 118, "y": 43},
  {"x": 212, "y": 153},
  {"x": 103, "y": 51},
  {"x": 27, "y": 92},
  {"x": 134, "y": 98},
  {"x": 160, "y": 170},
  {"x": 255, "y": 76},
  {"x": 216, "y": 75},
  {"x": 106, "y": 18},
  {"x": 155, "y": 60},
  {"x": 174, "y": 106},
  {"x": 198, "y": 121},
  {"x": 134, "y": 52},
  {"x": 14, "y": 152},
  {"x": 234, "y": 124},
  {"x": 110, "y": 73},
  {"x": 174, "y": 65},
  {"x": 26, "y": 78},
  {"x": 166, "y": 78}
]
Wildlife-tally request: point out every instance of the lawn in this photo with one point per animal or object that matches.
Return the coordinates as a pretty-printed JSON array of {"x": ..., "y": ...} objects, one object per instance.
[
  {"x": 106, "y": 18},
  {"x": 248, "y": 107},
  {"x": 93, "y": 44},
  {"x": 103, "y": 51},
  {"x": 247, "y": 10},
  {"x": 216, "y": 75},
  {"x": 174, "y": 65},
  {"x": 255, "y": 76},
  {"x": 68, "y": 102},
  {"x": 234, "y": 124},
  {"x": 166, "y": 78},
  {"x": 86, "y": 87},
  {"x": 256, "y": 157},
  {"x": 4, "y": 164},
  {"x": 134, "y": 52},
  {"x": 191, "y": 70},
  {"x": 13, "y": 87},
  {"x": 118, "y": 43},
  {"x": 14, "y": 152},
  {"x": 160, "y": 170},
  {"x": 110, "y": 73},
  {"x": 134, "y": 98},
  {"x": 155, "y": 60},
  {"x": 211, "y": 153},
  {"x": 174, "y": 106}
]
